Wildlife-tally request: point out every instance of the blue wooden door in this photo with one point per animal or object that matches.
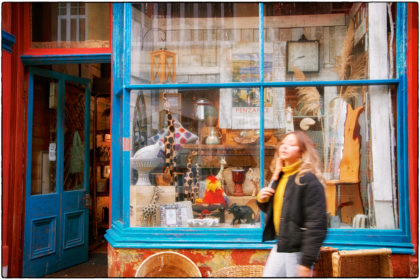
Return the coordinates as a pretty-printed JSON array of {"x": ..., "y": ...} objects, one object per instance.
[{"x": 57, "y": 175}]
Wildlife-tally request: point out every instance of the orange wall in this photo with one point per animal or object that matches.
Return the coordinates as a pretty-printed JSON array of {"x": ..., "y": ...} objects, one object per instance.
[{"x": 124, "y": 262}]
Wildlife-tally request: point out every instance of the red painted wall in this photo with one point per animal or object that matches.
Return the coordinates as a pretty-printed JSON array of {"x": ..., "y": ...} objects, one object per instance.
[
  {"x": 14, "y": 115},
  {"x": 6, "y": 94},
  {"x": 412, "y": 87},
  {"x": 14, "y": 119}
]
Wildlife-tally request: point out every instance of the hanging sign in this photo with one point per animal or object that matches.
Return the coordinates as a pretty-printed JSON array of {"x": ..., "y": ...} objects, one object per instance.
[{"x": 52, "y": 152}]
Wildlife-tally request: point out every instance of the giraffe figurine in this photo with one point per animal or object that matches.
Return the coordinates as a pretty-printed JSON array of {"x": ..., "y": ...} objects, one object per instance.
[
  {"x": 150, "y": 211},
  {"x": 219, "y": 175},
  {"x": 169, "y": 141},
  {"x": 189, "y": 178},
  {"x": 196, "y": 186}
]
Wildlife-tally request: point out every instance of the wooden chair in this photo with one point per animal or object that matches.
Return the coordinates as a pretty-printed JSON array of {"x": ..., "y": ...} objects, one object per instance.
[
  {"x": 242, "y": 271},
  {"x": 362, "y": 263}
]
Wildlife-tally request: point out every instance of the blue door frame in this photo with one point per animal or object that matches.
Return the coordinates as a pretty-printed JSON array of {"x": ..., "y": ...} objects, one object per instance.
[{"x": 56, "y": 224}]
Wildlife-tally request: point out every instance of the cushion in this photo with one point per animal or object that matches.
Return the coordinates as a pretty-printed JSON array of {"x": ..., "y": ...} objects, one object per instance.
[{"x": 182, "y": 136}]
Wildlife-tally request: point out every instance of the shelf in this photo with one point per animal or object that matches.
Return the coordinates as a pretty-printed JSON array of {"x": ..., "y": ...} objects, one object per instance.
[
  {"x": 103, "y": 131},
  {"x": 101, "y": 225},
  {"x": 102, "y": 194},
  {"x": 225, "y": 147},
  {"x": 235, "y": 155}
]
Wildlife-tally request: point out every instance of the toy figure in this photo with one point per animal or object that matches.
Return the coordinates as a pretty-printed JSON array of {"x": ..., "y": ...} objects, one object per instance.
[{"x": 242, "y": 213}]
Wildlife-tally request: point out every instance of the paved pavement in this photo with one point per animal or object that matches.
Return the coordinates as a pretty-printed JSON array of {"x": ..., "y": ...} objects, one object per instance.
[{"x": 95, "y": 267}]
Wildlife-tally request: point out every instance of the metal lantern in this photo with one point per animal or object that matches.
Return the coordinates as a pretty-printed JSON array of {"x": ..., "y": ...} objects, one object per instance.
[{"x": 162, "y": 65}]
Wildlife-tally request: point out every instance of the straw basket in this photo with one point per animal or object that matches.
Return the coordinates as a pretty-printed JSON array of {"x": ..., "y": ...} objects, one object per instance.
[
  {"x": 323, "y": 267},
  {"x": 168, "y": 264},
  {"x": 239, "y": 271},
  {"x": 362, "y": 263}
]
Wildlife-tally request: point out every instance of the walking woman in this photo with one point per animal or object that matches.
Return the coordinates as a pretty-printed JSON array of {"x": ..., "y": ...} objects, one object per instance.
[{"x": 295, "y": 208}]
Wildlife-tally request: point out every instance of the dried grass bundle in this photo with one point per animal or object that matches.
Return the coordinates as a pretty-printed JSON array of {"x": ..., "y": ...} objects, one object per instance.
[
  {"x": 309, "y": 99},
  {"x": 344, "y": 60},
  {"x": 308, "y": 96},
  {"x": 358, "y": 72}
]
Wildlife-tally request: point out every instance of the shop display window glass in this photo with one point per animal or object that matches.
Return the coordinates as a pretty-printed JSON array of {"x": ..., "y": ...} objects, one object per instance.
[
  {"x": 70, "y": 25},
  {"x": 207, "y": 42},
  {"x": 192, "y": 157},
  {"x": 198, "y": 151}
]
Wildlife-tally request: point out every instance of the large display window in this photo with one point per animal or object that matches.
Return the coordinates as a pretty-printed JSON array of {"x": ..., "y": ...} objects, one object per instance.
[{"x": 209, "y": 89}]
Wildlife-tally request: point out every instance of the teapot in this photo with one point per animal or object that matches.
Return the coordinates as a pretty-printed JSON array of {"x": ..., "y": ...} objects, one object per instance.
[{"x": 214, "y": 137}]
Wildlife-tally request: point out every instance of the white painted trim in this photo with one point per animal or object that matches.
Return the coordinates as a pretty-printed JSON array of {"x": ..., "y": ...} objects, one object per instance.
[{"x": 380, "y": 117}]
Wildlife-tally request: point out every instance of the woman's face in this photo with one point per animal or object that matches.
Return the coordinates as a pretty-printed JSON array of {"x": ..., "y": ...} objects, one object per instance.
[{"x": 289, "y": 150}]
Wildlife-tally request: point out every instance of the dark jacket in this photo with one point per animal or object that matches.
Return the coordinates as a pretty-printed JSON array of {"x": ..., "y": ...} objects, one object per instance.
[{"x": 303, "y": 225}]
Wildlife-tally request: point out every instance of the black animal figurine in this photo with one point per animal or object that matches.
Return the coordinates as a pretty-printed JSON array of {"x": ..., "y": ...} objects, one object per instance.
[{"x": 241, "y": 213}]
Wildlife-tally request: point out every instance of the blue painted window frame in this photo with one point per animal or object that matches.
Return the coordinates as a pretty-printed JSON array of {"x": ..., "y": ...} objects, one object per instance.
[{"x": 121, "y": 235}]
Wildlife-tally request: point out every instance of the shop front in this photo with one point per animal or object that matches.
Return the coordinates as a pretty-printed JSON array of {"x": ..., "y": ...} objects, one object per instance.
[
  {"x": 177, "y": 110},
  {"x": 204, "y": 91}
]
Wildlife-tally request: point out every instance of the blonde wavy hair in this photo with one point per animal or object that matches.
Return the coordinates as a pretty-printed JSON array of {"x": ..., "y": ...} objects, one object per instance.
[{"x": 310, "y": 159}]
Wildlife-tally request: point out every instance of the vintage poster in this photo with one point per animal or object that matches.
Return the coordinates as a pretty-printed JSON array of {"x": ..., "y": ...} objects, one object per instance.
[
  {"x": 245, "y": 110},
  {"x": 240, "y": 107}
]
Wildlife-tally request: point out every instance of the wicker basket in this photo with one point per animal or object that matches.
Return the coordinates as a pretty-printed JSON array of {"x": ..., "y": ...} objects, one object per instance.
[
  {"x": 323, "y": 267},
  {"x": 239, "y": 271},
  {"x": 362, "y": 263},
  {"x": 168, "y": 264}
]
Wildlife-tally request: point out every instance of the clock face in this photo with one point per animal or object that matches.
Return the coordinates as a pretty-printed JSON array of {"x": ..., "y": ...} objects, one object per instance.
[{"x": 303, "y": 55}]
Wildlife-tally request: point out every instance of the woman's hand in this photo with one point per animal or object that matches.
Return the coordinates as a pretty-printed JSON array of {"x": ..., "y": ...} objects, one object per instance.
[
  {"x": 266, "y": 193},
  {"x": 304, "y": 271}
]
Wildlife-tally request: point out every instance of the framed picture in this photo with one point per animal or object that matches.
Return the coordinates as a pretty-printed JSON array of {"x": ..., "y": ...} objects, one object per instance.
[
  {"x": 170, "y": 215},
  {"x": 303, "y": 54},
  {"x": 186, "y": 213}
]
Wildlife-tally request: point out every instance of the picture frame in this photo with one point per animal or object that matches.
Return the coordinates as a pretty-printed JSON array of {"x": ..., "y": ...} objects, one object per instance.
[
  {"x": 303, "y": 54},
  {"x": 186, "y": 212},
  {"x": 170, "y": 215}
]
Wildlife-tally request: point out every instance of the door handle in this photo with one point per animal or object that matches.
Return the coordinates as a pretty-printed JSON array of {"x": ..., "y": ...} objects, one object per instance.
[{"x": 86, "y": 201}]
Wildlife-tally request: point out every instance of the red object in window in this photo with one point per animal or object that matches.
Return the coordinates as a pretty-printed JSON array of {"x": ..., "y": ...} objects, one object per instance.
[{"x": 213, "y": 197}]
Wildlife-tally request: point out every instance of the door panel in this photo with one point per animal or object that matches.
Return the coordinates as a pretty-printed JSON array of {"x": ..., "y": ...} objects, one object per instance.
[
  {"x": 74, "y": 135},
  {"x": 43, "y": 237},
  {"x": 74, "y": 229},
  {"x": 42, "y": 199},
  {"x": 56, "y": 216},
  {"x": 75, "y": 188}
]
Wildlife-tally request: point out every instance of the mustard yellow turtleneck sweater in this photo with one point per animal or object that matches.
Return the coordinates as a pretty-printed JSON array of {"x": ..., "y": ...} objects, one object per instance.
[{"x": 279, "y": 194}]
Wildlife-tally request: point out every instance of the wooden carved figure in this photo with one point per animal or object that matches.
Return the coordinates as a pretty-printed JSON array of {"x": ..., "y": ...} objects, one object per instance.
[
  {"x": 219, "y": 175},
  {"x": 189, "y": 178},
  {"x": 169, "y": 142},
  {"x": 150, "y": 211},
  {"x": 350, "y": 162},
  {"x": 255, "y": 180}
]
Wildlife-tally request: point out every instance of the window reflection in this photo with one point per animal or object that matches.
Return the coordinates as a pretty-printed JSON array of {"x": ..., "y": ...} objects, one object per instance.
[
  {"x": 219, "y": 43},
  {"x": 70, "y": 25}
]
